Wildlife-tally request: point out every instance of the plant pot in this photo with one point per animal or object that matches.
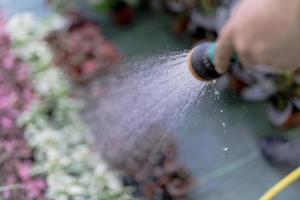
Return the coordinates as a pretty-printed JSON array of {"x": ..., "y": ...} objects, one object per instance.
[
  {"x": 180, "y": 24},
  {"x": 293, "y": 121},
  {"x": 279, "y": 116},
  {"x": 122, "y": 14},
  {"x": 236, "y": 84}
]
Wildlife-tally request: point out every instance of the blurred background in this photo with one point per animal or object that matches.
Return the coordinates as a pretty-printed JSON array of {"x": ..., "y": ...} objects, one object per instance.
[{"x": 57, "y": 60}]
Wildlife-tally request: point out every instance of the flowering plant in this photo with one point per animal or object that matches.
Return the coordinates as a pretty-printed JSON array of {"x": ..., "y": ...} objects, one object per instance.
[
  {"x": 280, "y": 91},
  {"x": 53, "y": 126},
  {"x": 151, "y": 163},
  {"x": 82, "y": 50},
  {"x": 16, "y": 95}
]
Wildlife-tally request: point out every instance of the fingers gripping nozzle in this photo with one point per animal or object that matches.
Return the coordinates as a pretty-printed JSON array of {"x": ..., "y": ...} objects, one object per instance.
[{"x": 201, "y": 62}]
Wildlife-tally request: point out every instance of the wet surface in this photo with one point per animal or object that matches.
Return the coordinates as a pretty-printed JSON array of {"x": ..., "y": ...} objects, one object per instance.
[{"x": 226, "y": 161}]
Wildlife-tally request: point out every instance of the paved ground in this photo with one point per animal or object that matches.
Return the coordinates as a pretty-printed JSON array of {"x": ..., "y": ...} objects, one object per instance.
[{"x": 226, "y": 161}]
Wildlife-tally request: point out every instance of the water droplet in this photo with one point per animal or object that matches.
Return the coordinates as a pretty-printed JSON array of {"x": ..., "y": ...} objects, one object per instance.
[
  {"x": 221, "y": 111},
  {"x": 225, "y": 148},
  {"x": 150, "y": 94},
  {"x": 223, "y": 124}
]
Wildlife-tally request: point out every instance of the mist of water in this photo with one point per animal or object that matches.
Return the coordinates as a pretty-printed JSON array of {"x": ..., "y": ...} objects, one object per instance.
[{"x": 158, "y": 90}]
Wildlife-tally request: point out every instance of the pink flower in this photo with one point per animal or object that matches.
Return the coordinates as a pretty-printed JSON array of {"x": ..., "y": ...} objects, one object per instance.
[
  {"x": 9, "y": 145},
  {"x": 10, "y": 181},
  {"x": 16, "y": 95},
  {"x": 24, "y": 170},
  {"x": 35, "y": 188},
  {"x": 6, "y": 123},
  {"x": 90, "y": 66},
  {"x": 8, "y": 61}
]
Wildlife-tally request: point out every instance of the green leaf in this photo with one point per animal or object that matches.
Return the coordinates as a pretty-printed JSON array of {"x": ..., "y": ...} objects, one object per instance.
[{"x": 103, "y": 6}]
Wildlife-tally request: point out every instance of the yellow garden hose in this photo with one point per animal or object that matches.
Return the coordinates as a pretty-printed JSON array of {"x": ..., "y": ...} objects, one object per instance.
[{"x": 281, "y": 185}]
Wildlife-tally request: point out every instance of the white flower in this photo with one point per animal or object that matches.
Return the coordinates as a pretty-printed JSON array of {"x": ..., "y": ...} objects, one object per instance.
[
  {"x": 65, "y": 161},
  {"x": 76, "y": 190},
  {"x": 54, "y": 22},
  {"x": 100, "y": 169},
  {"x": 113, "y": 183},
  {"x": 61, "y": 184},
  {"x": 48, "y": 138},
  {"x": 51, "y": 82},
  {"x": 37, "y": 54},
  {"x": 22, "y": 27},
  {"x": 25, "y": 27},
  {"x": 80, "y": 152}
]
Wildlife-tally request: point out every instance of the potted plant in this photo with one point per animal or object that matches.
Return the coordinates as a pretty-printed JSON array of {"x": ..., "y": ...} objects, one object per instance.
[
  {"x": 82, "y": 50},
  {"x": 208, "y": 7},
  {"x": 280, "y": 91},
  {"x": 122, "y": 11}
]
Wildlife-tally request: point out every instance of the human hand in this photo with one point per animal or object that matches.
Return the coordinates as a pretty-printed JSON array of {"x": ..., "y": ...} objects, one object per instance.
[{"x": 261, "y": 32}]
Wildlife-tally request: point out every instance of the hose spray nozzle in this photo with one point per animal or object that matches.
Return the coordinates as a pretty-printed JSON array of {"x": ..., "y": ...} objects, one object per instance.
[{"x": 201, "y": 62}]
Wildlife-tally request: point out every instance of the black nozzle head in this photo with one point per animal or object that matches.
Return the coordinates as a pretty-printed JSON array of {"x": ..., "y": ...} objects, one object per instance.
[{"x": 200, "y": 64}]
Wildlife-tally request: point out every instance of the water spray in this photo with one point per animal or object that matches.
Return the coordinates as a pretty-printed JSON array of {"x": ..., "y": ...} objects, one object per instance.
[
  {"x": 202, "y": 66},
  {"x": 201, "y": 62}
]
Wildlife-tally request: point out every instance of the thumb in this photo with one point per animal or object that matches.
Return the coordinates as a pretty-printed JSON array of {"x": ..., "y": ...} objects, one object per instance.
[{"x": 224, "y": 51}]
